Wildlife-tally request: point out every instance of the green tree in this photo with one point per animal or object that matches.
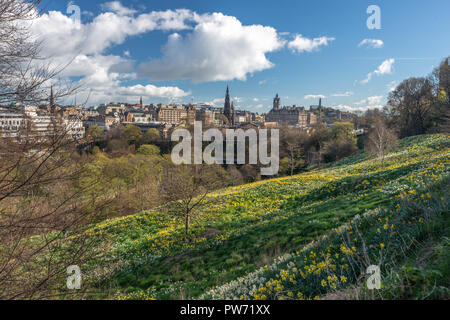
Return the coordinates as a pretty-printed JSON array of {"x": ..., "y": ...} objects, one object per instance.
[
  {"x": 341, "y": 143},
  {"x": 95, "y": 132},
  {"x": 342, "y": 131},
  {"x": 151, "y": 136},
  {"x": 148, "y": 150},
  {"x": 131, "y": 133}
]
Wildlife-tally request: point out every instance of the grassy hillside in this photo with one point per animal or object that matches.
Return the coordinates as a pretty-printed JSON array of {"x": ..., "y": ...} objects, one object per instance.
[{"x": 307, "y": 236}]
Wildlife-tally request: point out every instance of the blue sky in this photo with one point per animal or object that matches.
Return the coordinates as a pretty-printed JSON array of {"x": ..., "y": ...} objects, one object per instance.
[{"x": 255, "y": 62}]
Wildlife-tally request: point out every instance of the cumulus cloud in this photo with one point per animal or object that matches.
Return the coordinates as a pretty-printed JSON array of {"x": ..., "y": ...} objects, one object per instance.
[
  {"x": 348, "y": 108},
  {"x": 152, "y": 91},
  {"x": 216, "y": 102},
  {"x": 370, "y": 103},
  {"x": 371, "y": 43},
  {"x": 362, "y": 105},
  {"x": 370, "y": 100},
  {"x": 314, "y": 96},
  {"x": 218, "y": 48},
  {"x": 384, "y": 68},
  {"x": 211, "y": 47},
  {"x": 301, "y": 44},
  {"x": 117, "y": 7},
  {"x": 343, "y": 94},
  {"x": 392, "y": 86},
  {"x": 82, "y": 47},
  {"x": 105, "y": 84},
  {"x": 61, "y": 35}
]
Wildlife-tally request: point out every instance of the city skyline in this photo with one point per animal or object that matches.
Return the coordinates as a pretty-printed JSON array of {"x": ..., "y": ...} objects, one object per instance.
[{"x": 165, "y": 52}]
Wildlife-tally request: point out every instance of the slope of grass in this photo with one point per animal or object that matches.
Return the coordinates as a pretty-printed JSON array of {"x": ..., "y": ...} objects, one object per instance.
[
  {"x": 408, "y": 240},
  {"x": 243, "y": 229}
]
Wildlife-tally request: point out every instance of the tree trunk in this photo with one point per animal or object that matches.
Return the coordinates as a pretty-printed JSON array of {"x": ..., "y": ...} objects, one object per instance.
[{"x": 187, "y": 226}]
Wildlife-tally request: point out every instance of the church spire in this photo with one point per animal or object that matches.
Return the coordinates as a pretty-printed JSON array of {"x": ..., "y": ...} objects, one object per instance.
[
  {"x": 140, "y": 102},
  {"x": 227, "y": 111},
  {"x": 227, "y": 95},
  {"x": 320, "y": 109}
]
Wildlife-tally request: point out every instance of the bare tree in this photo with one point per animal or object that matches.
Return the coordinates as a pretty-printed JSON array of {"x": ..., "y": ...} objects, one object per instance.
[
  {"x": 25, "y": 75},
  {"x": 235, "y": 177},
  {"x": 315, "y": 144},
  {"x": 445, "y": 126},
  {"x": 41, "y": 212},
  {"x": 380, "y": 141},
  {"x": 292, "y": 146},
  {"x": 186, "y": 187},
  {"x": 440, "y": 79},
  {"x": 42, "y": 208},
  {"x": 410, "y": 105}
]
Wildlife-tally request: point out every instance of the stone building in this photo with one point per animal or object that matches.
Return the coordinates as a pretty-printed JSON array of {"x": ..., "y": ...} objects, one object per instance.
[{"x": 294, "y": 116}]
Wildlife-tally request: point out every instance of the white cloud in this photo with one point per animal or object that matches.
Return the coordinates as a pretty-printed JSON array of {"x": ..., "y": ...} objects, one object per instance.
[
  {"x": 152, "y": 91},
  {"x": 301, "y": 44},
  {"x": 371, "y": 101},
  {"x": 314, "y": 96},
  {"x": 117, "y": 7},
  {"x": 213, "y": 47},
  {"x": 342, "y": 107},
  {"x": 62, "y": 35},
  {"x": 348, "y": 108},
  {"x": 88, "y": 13},
  {"x": 103, "y": 85},
  {"x": 255, "y": 99},
  {"x": 392, "y": 85},
  {"x": 371, "y": 43},
  {"x": 82, "y": 48},
  {"x": 218, "y": 48},
  {"x": 217, "y": 102},
  {"x": 343, "y": 94},
  {"x": 384, "y": 68},
  {"x": 362, "y": 105}
]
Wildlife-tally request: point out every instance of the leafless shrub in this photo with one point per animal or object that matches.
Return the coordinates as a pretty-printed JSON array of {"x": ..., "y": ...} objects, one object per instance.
[{"x": 380, "y": 141}]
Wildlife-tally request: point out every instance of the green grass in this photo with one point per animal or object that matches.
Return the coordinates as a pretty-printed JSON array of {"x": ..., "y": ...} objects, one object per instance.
[
  {"x": 399, "y": 239},
  {"x": 256, "y": 224}
]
